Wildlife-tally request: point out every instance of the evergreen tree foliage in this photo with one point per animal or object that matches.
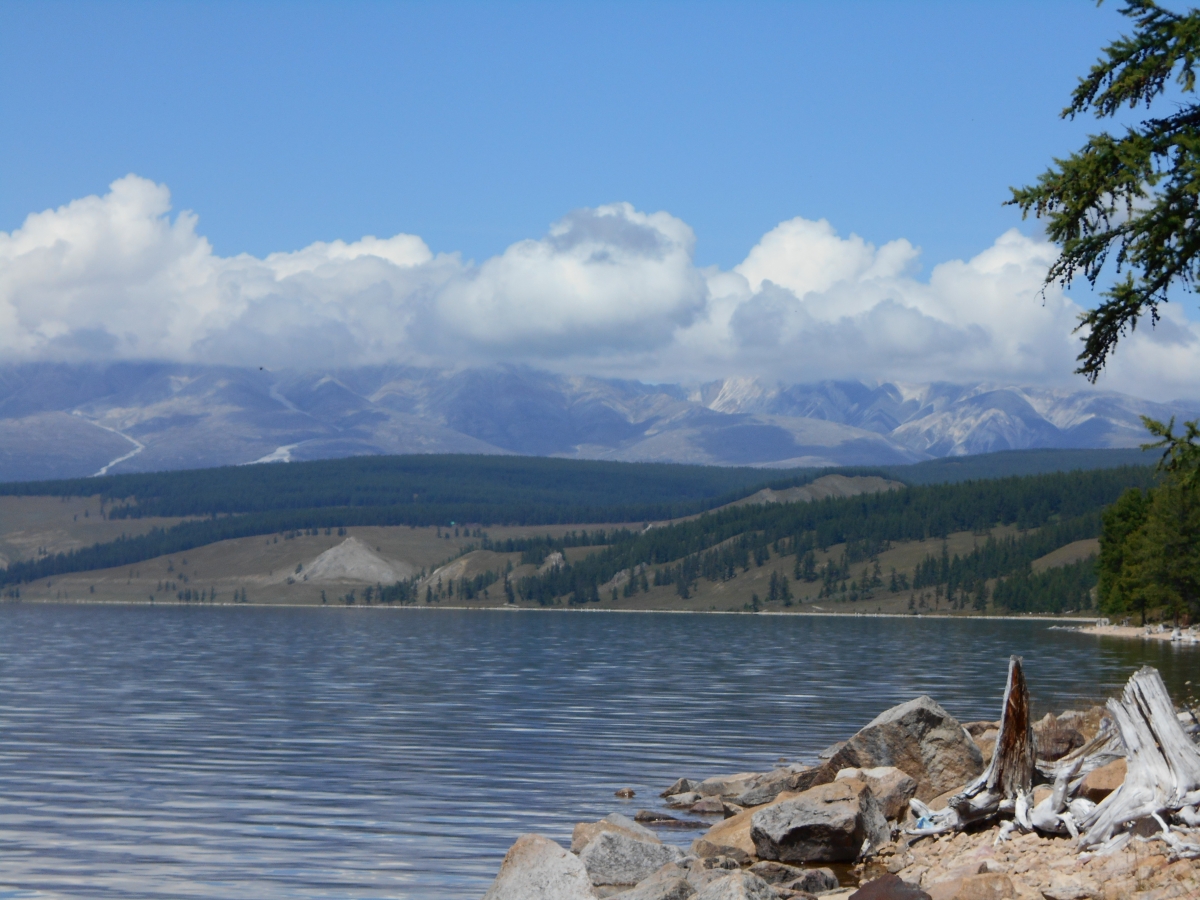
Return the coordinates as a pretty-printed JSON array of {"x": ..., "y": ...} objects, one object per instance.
[
  {"x": 1133, "y": 197},
  {"x": 1150, "y": 548}
]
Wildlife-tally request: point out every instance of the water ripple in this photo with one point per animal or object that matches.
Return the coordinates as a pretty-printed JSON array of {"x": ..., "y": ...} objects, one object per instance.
[{"x": 257, "y": 753}]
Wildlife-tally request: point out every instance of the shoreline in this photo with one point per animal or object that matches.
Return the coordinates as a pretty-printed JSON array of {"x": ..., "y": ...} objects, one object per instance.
[
  {"x": 1188, "y": 637},
  {"x": 1081, "y": 621}
]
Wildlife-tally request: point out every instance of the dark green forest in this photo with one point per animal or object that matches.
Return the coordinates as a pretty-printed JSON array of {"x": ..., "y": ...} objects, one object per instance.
[{"x": 1049, "y": 510}]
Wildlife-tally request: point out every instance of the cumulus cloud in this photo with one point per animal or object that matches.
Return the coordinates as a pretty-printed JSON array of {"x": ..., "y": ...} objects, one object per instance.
[{"x": 611, "y": 290}]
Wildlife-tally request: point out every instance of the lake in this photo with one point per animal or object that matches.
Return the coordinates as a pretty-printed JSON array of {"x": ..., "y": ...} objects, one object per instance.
[{"x": 169, "y": 752}]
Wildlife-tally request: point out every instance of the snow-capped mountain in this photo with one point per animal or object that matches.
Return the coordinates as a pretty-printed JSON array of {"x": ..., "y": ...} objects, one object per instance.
[{"x": 59, "y": 420}]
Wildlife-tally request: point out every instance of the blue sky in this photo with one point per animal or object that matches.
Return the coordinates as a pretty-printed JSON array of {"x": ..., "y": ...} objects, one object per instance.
[
  {"x": 477, "y": 124},
  {"x": 665, "y": 191}
]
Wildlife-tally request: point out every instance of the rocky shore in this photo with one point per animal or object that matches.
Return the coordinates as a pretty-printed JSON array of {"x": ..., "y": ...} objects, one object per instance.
[{"x": 916, "y": 806}]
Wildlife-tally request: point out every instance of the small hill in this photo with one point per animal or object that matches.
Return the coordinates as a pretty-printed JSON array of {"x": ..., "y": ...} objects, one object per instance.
[
  {"x": 352, "y": 560},
  {"x": 825, "y": 486}
]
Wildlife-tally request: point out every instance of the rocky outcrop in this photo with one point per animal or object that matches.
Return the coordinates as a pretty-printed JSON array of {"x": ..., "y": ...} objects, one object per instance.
[
  {"x": 536, "y": 868},
  {"x": 891, "y": 788},
  {"x": 829, "y": 823},
  {"x": 614, "y": 857},
  {"x": 922, "y": 740}
]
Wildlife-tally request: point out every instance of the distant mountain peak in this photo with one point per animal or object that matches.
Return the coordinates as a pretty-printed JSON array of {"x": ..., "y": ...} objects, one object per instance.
[{"x": 59, "y": 420}]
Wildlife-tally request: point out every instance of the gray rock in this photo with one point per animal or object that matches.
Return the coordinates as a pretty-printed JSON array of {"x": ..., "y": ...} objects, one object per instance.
[
  {"x": 586, "y": 832},
  {"x": 618, "y": 858},
  {"x": 700, "y": 877},
  {"x": 890, "y": 787},
  {"x": 769, "y": 786},
  {"x": 776, "y": 872},
  {"x": 536, "y": 868},
  {"x": 828, "y": 823},
  {"x": 682, "y": 786},
  {"x": 919, "y": 738},
  {"x": 711, "y": 806},
  {"x": 828, "y": 752},
  {"x": 738, "y": 886},
  {"x": 727, "y": 787},
  {"x": 668, "y": 883},
  {"x": 814, "y": 881}
]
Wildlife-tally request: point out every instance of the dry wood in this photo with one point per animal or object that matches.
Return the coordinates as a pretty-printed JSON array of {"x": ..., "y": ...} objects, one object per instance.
[
  {"x": 1005, "y": 784},
  {"x": 1163, "y": 767}
]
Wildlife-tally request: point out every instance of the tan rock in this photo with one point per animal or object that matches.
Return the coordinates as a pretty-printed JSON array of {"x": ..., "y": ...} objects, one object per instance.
[
  {"x": 891, "y": 788},
  {"x": 986, "y": 743},
  {"x": 974, "y": 887},
  {"x": 734, "y": 832},
  {"x": 1101, "y": 782}
]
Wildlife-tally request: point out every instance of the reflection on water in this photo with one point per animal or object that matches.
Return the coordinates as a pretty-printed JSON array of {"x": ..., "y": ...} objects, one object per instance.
[{"x": 262, "y": 753}]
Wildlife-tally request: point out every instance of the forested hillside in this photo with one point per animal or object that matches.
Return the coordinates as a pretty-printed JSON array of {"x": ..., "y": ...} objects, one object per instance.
[
  {"x": 1048, "y": 511},
  {"x": 833, "y": 543}
]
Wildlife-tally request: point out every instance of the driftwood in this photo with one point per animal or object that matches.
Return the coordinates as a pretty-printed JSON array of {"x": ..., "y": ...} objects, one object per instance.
[
  {"x": 1005, "y": 785},
  {"x": 1162, "y": 777},
  {"x": 1160, "y": 796}
]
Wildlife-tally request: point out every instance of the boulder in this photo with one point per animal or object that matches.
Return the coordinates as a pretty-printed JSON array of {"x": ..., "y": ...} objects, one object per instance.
[
  {"x": 810, "y": 881},
  {"x": 536, "y": 868},
  {"x": 775, "y": 872},
  {"x": 738, "y": 886},
  {"x": 709, "y": 806},
  {"x": 828, "y": 823},
  {"x": 1099, "y": 783},
  {"x": 889, "y": 887},
  {"x": 1055, "y": 738},
  {"x": 814, "y": 881},
  {"x": 891, "y": 788},
  {"x": 614, "y": 857},
  {"x": 700, "y": 877},
  {"x": 682, "y": 786},
  {"x": 667, "y": 883},
  {"x": 919, "y": 738},
  {"x": 732, "y": 836},
  {"x": 769, "y": 786},
  {"x": 586, "y": 832},
  {"x": 727, "y": 787}
]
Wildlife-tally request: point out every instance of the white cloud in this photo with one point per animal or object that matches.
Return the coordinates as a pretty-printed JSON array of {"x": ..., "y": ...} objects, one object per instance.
[{"x": 610, "y": 289}]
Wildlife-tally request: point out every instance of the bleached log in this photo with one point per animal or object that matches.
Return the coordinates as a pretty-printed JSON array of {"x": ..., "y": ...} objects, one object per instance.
[
  {"x": 1005, "y": 784},
  {"x": 1162, "y": 764}
]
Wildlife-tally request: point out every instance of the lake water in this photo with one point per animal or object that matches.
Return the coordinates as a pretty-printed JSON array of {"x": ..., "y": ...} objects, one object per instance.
[{"x": 352, "y": 753}]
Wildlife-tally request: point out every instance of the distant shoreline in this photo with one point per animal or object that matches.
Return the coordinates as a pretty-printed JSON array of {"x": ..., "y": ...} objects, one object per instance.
[
  {"x": 1072, "y": 620},
  {"x": 1129, "y": 632}
]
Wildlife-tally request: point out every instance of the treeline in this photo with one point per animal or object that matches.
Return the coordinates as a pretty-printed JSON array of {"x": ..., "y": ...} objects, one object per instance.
[
  {"x": 431, "y": 489},
  {"x": 1065, "y": 507},
  {"x": 1060, "y": 589},
  {"x": 865, "y": 523}
]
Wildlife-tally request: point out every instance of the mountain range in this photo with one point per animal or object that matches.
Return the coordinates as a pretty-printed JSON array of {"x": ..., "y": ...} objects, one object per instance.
[{"x": 60, "y": 420}]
